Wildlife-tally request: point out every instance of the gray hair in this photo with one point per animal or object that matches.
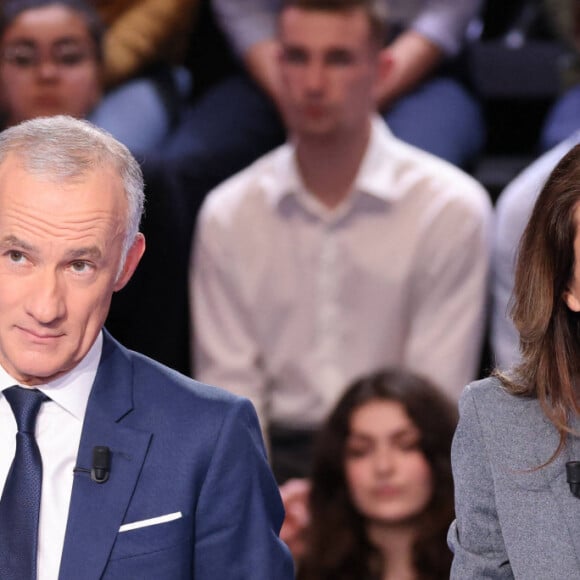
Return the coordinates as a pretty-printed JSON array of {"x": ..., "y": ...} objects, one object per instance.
[{"x": 65, "y": 149}]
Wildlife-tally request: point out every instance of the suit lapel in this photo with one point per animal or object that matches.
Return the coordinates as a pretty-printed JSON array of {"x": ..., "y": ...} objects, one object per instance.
[{"x": 97, "y": 510}]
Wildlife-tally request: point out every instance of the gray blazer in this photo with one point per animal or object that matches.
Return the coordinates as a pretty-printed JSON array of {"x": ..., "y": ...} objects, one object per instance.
[{"x": 512, "y": 521}]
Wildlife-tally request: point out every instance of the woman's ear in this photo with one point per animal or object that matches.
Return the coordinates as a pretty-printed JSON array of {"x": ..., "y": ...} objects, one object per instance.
[{"x": 572, "y": 300}]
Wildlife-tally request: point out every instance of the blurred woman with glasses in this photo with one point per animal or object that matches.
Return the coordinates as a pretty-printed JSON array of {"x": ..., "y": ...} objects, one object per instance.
[
  {"x": 50, "y": 59},
  {"x": 52, "y": 62}
]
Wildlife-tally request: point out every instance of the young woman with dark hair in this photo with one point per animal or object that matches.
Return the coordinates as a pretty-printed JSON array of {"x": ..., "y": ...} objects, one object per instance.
[
  {"x": 381, "y": 494},
  {"x": 50, "y": 59},
  {"x": 54, "y": 59}
]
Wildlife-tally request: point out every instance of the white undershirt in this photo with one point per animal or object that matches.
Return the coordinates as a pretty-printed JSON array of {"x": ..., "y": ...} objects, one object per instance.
[{"x": 58, "y": 433}]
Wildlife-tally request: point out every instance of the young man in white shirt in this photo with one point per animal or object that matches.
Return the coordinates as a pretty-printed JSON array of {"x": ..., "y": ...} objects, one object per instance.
[{"x": 343, "y": 251}]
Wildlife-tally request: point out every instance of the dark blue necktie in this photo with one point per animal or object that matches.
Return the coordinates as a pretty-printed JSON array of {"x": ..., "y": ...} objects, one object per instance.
[{"x": 20, "y": 503}]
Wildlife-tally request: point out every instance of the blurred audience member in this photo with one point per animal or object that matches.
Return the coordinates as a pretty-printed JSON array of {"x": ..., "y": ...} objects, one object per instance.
[
  {"x": 381, "y": 492},
  {"x": 50, "y": 59},
  {"x": 343, "y": 251},
  {"x": 144, "y": 44},
  {"x": 295, "y": 493},
  {"x": 142, "y": 33},
  {"x": 564, "y": 116},
  {"x": 52, "y": 62},
  {"x": 423, "y": 99},
  {"x": 513, "y": 209}
]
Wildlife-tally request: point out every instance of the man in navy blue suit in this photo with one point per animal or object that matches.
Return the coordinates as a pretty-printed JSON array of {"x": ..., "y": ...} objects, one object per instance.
[{"x": 145, "y": 473}]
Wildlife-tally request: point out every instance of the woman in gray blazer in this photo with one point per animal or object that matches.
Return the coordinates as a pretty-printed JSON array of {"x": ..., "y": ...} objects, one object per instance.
[{"x": 517, "y": 515}]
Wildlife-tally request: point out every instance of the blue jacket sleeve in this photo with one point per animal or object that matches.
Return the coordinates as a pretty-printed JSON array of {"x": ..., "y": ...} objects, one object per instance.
[{"x": 239, "y": 512}]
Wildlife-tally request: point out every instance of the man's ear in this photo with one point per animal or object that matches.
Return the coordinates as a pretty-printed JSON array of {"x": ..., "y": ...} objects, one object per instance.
[
  {"x": 571, "y": 300},
  {"x": 131, "y": 261},
  {"x": 384, "y": 68}
]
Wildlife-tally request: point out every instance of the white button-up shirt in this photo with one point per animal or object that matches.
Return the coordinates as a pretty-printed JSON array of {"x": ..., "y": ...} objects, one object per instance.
[{"x": 292, "y": 300}]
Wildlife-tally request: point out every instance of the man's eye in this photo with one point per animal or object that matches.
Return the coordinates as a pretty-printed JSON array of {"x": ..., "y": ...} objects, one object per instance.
[
  {"x": 340, "y": 58},
  {"x": 16, "y": 256},
  {"x": 295, "y": 57},
  {"x": 80, "y": 267}
]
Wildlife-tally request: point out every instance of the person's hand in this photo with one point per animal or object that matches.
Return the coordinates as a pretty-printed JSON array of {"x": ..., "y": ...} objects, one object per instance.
[
  {"x": 404, "y": 65},
  {"x": 295, "y": 494}
]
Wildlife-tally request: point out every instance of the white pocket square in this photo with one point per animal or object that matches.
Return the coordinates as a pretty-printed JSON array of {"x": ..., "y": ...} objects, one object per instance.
[{"x": 151, "y": 522}]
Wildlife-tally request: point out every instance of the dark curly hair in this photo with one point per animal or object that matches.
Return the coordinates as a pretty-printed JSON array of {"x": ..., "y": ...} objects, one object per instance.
[{"x": 338, "y": 547}]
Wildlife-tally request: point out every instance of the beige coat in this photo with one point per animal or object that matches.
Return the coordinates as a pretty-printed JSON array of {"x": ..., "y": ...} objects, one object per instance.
[
  {"x": 564, "y": 16},
  {"x": 144, "y": 32},
  {"x": 566, "y": 23}
]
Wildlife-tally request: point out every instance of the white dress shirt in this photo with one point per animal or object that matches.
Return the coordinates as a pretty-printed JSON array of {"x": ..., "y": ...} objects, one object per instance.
[
  {"x": 58, "y": 432},
  {"x": 292, "y": 301}
]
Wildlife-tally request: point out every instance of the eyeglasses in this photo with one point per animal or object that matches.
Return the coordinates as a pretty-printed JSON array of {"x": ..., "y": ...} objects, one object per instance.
[{"x": 65, "y": 55}]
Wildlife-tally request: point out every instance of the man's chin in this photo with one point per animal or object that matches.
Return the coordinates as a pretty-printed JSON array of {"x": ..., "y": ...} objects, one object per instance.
[{"x": 37, "y": 372}]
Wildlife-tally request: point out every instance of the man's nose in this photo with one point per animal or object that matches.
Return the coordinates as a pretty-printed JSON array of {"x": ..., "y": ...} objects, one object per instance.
[
  {"x": 46, "y": 301},
  {"x": 315, "y": 77}
]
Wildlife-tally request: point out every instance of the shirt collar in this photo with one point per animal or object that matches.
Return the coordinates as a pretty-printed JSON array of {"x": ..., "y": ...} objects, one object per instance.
[
  {"x": 70, "y": 391},
  {"x": 375, "y": 177}
]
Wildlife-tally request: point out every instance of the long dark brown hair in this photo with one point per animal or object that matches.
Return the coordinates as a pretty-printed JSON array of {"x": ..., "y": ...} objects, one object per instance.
[
  {"x": 549, "y": 331},
  {"x": 338, "y": 547}
]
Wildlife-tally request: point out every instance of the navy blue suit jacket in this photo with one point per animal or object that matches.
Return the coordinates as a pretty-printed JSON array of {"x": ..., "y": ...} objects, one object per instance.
[{"x": 177, "y": 446}]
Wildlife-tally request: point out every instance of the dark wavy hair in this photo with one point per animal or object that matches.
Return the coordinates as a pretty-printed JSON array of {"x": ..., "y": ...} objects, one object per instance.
[
  {"x": 338, "y": 547},
  {"x": 549, "y": 331},
  {"x": 10, "y": 10}
]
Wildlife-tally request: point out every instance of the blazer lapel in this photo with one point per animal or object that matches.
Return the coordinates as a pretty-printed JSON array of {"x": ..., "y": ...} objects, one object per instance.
[
  {"x": 97, "y": 509},
  {"x": 561, "y": 518},
  {"x": 569, "y": 503}
]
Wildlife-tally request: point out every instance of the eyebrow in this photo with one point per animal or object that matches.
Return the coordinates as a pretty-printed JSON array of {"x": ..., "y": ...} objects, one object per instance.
[
  {"x": 71, "y": 40},
  {"x": 86, "y": 252},
  {"x": 20, "y": 42},
  {"x": 293, "y": 48},
  {"x": 290, "y": 45},
  {"x": 404, "y": 431},
  {"x": 31, "y": 43},
  {"x": 12, "y": 241},
  {"x": 339, "y": 48}
]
